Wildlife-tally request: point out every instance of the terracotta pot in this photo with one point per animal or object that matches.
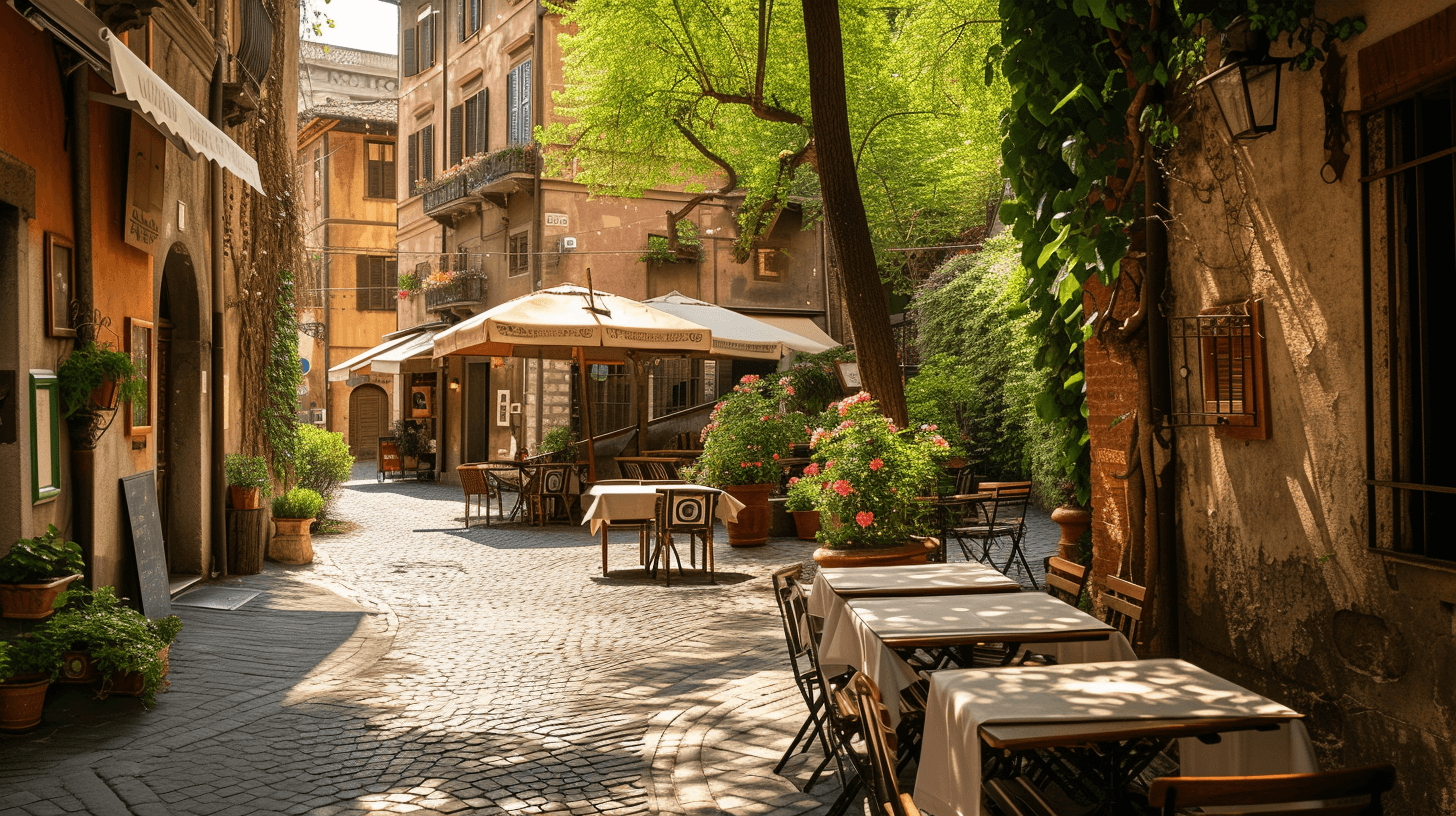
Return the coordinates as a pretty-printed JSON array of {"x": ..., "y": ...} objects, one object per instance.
[
  {"x": 1074, "y": 521},
  {"x": 131, "y": 684},
  {"x": 78, "y": 668},
  {"x": 32, "y": 601},
  {"x": 915, "y": 552},
  {"x": 21, "y": 701},
  {"x": 246, "y": 498},
  {"x": 104, "y": 395},
  {"x": 291, "y": 543},
  {"x": 806, "y": 524},
  {"x": 751, "y": 528}
]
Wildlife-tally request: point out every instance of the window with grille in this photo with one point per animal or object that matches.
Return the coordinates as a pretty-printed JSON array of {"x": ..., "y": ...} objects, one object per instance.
[
  {"x": 518, "y": 259},
  {"x": 379, "y": 169},
  {"x": 1218, "y": 370},
  {"x": 677, "y": 385},
  {"x": 1409, "y": 158},
  {"x": 378, "y": 283},
  {"x": 609, "y": 391}
]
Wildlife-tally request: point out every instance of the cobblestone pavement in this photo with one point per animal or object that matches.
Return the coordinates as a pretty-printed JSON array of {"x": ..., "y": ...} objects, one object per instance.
[{"x": 420, "y": 667}]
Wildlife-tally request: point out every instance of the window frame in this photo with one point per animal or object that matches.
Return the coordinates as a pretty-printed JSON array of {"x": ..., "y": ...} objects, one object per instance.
[
  {"x": 148, "y": 372},
  {"x": 387, "y": 172},
  {"x": 365, "y": 291},
  {"x": 518, "y": 261}
]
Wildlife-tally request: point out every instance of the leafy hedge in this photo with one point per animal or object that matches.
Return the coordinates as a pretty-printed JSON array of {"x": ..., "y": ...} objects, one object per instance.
[
  {"x": 973, "y": 329},
  {"x": 322, "y": 463}
]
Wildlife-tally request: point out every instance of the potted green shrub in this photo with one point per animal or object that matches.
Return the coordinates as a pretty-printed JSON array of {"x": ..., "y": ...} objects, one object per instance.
[
  {"x": 802, "y": 495},
  {"x": 322, "y": 462},
  {"x": 559, "y": 442},
  {"x": 747, "y": 435},
  {"x": 96, "y": 376},
  {"x": 128, "y": 652},
  {"x": 414, "y": 443},
  {"x": 35, "y": 571},
  {"x": 293, "y": 512},
  {"x": 872, "y": 476},
  {"x": 27, "y": 666},
  {"x": 247, "y": 478}
]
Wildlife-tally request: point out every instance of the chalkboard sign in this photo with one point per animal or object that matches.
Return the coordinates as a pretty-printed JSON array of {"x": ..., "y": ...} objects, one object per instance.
[{"x": 147, "y": 543}]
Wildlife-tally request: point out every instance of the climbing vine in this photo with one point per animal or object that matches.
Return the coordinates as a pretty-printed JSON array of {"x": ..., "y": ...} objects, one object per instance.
[{"x": 1097, "y": 86}]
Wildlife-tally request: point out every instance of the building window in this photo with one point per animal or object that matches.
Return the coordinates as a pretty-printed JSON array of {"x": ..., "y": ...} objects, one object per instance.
[
  {"x": 467, "y": 18},
  {"x": 1409, "y": 158},
  {"x": 421, "y": 157},
  {"x": 772, "y": 264},
  {"x": 379, "y": 169},
  {"x": 417, "y": 45},
  {"x": 477, "y": 112},
  {"x": 518, "y": 260},
  {"x": 518, "y": 104},
  {"x": 378, "y": 283},
  {"x": 677, "y": 385},
  {"x": 1218, "y": 373}
]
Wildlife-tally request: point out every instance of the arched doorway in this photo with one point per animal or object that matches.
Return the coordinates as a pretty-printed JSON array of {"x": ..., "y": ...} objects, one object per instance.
[
  {"x": 181, "y": 440},
  {"x": 368, "y": 420}
]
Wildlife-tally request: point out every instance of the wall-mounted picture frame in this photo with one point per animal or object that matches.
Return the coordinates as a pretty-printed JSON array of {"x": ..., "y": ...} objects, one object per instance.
[
  {"x": 60, "y": 271},
  {"x": 503, "y": 407},
  {"x": 139, "y": 337},
  {"x": 45, "y": 436},
  {"x": 422, "y": 401}
]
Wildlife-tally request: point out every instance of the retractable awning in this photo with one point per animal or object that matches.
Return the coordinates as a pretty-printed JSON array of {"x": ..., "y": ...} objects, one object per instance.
[
  {"x": 802, "y": 326},
  {"x": 421, "y": 346},
  {"x": 735, "y": 334},
  {"x": 355, "y": 365}
]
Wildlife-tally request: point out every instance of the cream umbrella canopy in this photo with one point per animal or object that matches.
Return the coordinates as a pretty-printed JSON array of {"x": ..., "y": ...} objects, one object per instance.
[
  {"x": 573, "y": 322},
  {"x": 734, "y": 334}
]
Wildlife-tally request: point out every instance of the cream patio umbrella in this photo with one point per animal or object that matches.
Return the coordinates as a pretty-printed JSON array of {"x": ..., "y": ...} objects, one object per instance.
[
  {"x": 734, "y": 334},
  {"x": 573, "y": 322}
]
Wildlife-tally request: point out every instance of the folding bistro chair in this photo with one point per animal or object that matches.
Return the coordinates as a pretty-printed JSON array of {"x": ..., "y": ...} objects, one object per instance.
[
  {"x": 1122, "y": 606},
  {"x": 1330, "y": 789},
  {"x": 553, "y": 489},
  {"x": 1065, "y": 580},
  {"x": 475, "y": 481},
  {"x": 686, "y": 510},
  {"x": 785, "y": 583},
  {"x": 1006, "y": 521}
]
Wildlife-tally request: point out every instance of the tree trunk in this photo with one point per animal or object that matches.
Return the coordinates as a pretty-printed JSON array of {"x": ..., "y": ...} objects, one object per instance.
[{"x": 869, "y": 309}]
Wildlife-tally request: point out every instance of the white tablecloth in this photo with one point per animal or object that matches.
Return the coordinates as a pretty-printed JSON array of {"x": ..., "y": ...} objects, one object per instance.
[
  {"x": 961, "y": 701},
  {"x": 639, "y": 501},
  {"x": 961, "y": 578},
  {"x": 853, "y": 630}
]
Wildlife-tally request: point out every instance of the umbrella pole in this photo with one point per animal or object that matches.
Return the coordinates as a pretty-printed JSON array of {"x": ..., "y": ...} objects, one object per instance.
[{"x": 586, "y": 417}]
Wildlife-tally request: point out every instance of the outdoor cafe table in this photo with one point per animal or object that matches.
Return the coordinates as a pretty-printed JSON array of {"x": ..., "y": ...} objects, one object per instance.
[
  {"x": 832, "y": 586},
  {"x": 639, "y": 501},
  {"x": 1105, "y": 703},
  {"x": 526, "y": 472},
  {"x": 865, "y": 632}
]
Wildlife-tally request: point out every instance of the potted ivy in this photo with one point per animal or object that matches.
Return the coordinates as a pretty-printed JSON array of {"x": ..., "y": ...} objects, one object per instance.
[
  {"x": 293, "y": 513},
  {"x": 247, "y": 478},
  {"x": 95, "y": 376},
  {"x": 27, "y": 666},
  {"x": 747, "y": 435},
  {"x": 101, "y": 640},
  {"x": 34, "y": 573},
  {"x": 872, "y": 476},
  {"x": 802, "y": 495},
  {"x": 559, "y": 443}
]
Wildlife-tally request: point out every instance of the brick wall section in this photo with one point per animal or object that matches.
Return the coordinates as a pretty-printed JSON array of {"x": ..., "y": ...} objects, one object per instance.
[{"x": 1113, "y": 379}]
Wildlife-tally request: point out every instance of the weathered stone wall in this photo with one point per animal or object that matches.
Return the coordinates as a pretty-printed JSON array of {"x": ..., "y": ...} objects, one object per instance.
[{"x": 1278, "y": 588}]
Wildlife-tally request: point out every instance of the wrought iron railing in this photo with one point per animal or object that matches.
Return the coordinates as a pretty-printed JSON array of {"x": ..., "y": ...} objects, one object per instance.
[
  {"x": 465, "y": 287},
  {"x": 480, "y": 173}
]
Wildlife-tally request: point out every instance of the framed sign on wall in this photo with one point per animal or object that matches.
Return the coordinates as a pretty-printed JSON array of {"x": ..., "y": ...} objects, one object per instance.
[
  {"x": 139, "y": 346},
  {"x": 503, "y": 407},
  {"x": 45, "y": 436},
  {"x": 60, "y": 283}
]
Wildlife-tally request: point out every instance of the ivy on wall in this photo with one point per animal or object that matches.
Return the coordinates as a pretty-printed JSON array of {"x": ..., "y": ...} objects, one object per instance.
[{"x": 1097, "y": 86}]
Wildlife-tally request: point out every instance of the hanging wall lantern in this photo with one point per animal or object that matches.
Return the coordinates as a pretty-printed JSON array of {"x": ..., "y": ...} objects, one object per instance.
[{"x": 1246, "y": 87}]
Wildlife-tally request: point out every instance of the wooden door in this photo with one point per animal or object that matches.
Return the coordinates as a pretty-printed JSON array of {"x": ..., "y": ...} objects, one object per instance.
[
  {"x": 163, "y": 418},
  {"x": 368, "y": 420}
]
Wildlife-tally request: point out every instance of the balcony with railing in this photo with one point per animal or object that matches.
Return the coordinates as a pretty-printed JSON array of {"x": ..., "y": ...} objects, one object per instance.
[
  {"x": 464, "y": 294},
  {"x": 480, "y": 179}
]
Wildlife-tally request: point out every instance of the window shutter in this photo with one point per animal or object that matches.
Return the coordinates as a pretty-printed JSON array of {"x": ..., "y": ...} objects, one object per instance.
[
  {"x": 411, "y": 59},
  {"x": 460, "y": 19},
  {"x": 525, "y": 101},
  {"x": 457, "y": 134},
  {"x": 374, "y": 172},
  {"x": 474, "y": 15},
  {"x": 361, "y": 282},
  {"x": 376, "y": 283},
  {"x": 427, "y": 42},
  {"x": 482, "y": 121},
  {"x": 470, "y": 118},
  {"x": 427, "y": 153},
  {"x": 388, "y": 171},
  {"x": 391, "y": 278},
  {"x": 414, "y": 161},
  {"x": 511, "y": 121}
]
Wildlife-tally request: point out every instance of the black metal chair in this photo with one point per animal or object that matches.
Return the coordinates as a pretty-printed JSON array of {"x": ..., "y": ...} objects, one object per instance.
[
  {"x": 685, "y": 510},
  {"x": 552, "y": 485},
  {"x": 806, "y": 677}
]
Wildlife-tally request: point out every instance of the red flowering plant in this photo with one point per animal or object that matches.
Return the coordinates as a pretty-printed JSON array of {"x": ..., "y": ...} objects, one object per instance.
[
  {"x": 747, "y": 435},
  {"x": 870, "y": 474}
]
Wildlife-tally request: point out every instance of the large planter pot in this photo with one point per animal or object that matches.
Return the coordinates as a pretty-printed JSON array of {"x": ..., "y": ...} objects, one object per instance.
[
  {"x": 915, "y": 552},
  {"x": 78, "y": 668},
  {"x": 103, "y": 396},
  {"x": 131, "y": 684},
  {"x": 21, "y": 701},
  {"x": 751, "y": 528},
  {"x": 806, "y": 524},
  {"x": 246, "y": 498},
  {"x": 292, "y": 543},
  {"x": 1074, "y": 521},
  {"x": 32, "y": 601}
]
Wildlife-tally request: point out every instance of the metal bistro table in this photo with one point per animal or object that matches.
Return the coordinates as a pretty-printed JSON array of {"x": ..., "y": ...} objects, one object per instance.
[{"x": 525, "y": 478}]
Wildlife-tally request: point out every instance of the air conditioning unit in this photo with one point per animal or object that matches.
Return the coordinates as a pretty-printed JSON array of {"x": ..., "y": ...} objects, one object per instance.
[{"x": 568, "y": 243}]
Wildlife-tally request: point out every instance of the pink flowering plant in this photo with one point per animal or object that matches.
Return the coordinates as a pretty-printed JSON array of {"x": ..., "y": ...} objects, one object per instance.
[
  {"x": 870, "y": 473},
  {"x": 746, "y": 437}
]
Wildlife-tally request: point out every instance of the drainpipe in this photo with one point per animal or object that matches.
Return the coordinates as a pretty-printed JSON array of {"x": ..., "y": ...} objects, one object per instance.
[
  {"x": 83, "y": 459},
  {"x": 218, "y": 483},
  {"x": 537, "y": 109},
  {"x": 1165, "y": 572}
]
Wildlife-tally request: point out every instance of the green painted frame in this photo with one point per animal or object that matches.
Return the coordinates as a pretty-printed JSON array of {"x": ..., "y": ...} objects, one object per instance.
[{"x": 45, "y": 382}]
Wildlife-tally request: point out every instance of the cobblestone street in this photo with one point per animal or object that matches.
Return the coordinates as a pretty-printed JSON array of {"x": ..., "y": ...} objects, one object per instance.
[{"x": 420, "y": 667}]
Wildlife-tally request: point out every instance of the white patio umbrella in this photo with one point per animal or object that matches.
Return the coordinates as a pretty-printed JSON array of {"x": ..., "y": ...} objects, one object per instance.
[
  {"x": 573, "y": 322},
  {"x": 734, "y": 334}
]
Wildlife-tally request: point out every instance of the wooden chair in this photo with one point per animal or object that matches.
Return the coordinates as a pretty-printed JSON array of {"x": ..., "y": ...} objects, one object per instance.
[
  {"x": 687, "y": 510},
  {"x": 475, "y": 481},
  {"x": 552, "y": 489},
  {"x": 1171, "y": 793},
  {"x": 880, "y": 751},
  {"x": 785, "y": 582},
  {"x": 630, "y": 469},
  {"x": 643, "y": 527},
  {"x": 1065, "y": 580},
  {"x": 1122, "y": 606}
]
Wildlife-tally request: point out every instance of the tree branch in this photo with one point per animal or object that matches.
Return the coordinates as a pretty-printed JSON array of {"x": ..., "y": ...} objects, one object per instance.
[
  {"x": 877, "y": 123},
  {"x": 728, "y": 186}
]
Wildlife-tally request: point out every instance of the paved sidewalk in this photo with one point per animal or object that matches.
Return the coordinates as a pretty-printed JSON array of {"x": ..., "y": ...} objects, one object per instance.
[{"x": 419, "y": 667}]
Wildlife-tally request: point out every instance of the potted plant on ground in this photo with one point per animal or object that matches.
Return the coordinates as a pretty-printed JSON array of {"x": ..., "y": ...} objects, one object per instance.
[
  {"x": 27, "y": 667},
  {"x": 414, "y": 444},
  {"x": 100, "y": 639},
  {"x": 35, "y": 571},
  {"x": 802, "y": 495},
  {"x": 747, "y": 435},
  {"x": 1074, "y": 519},
  {"x": 247, "y": 478},
  {"x": 872, "y": 476},
  {"x": 96, "y": 376},
  {"x": 559, "y": 442},
  {"x": 293, "y": 512}
]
